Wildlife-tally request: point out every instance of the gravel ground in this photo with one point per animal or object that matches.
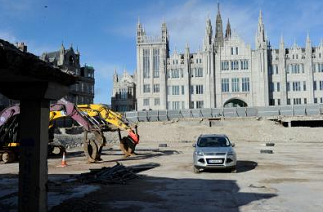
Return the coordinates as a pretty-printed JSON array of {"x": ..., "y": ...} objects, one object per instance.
[{"x": 287, "y": 181}]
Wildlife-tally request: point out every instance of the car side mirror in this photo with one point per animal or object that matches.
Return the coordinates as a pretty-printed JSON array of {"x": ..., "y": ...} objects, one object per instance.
[
  {"x": 193, "y": 145},
  {"x": 233, "y": 144}
]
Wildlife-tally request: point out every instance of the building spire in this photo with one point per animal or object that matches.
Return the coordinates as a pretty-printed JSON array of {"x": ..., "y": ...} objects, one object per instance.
[
  {"x": 308, "y": 39},
  {"x": 219, "y": 29},
  {"x": 260, "y": 16},
  {"x": 228, "y": 30},
  {"x": 260, "y": 35}
]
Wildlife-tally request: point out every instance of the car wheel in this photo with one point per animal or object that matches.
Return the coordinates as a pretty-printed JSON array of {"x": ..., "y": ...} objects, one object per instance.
[
  {"x": 196, "y": 170},
  {"x": 233, "y": 169}
]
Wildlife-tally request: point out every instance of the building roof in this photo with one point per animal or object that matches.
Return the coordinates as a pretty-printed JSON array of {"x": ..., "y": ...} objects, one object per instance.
[{"x": 16, "y": 65}]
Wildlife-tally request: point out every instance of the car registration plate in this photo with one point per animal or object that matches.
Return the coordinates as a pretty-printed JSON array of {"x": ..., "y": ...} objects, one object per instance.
[{"x": 215, "y": 161}]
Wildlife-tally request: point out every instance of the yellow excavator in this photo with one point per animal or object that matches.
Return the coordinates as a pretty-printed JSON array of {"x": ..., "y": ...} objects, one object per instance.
[
  {"x": 9, "y": 131},
  {"x": 94, "y": 119},
  {"x": 106, "y": 116}
]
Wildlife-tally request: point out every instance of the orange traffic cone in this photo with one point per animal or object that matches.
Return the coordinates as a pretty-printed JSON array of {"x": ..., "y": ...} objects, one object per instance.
[{"x": 63, "y": 163}]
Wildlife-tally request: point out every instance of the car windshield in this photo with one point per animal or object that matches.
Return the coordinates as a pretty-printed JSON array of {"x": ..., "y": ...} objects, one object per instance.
[{"x": 213, "y": 142}]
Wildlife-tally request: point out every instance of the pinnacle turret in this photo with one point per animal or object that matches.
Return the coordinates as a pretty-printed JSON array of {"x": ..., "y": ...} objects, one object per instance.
[
  {"x": 219, "y": 29},
  {"x": 228, "y": 30},
  {"x": 260, "y": 35}
]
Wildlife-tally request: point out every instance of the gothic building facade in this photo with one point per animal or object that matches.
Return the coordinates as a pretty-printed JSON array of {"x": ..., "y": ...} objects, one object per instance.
[
  {"x": 124, "y": 92},
  {"x": 226, "y": 72},
  {"x": 68, "y": 61}
]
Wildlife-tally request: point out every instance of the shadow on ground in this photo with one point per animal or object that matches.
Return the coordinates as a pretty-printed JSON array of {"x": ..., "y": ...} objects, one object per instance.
[
  {"x": 242, "y": 166},
  {"x": 146, "y": 193},
  {"x": 144, "y": 154}
]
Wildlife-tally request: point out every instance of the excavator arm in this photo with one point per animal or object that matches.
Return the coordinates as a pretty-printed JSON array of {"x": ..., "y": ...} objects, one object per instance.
[{"x": 111, "y": 117}]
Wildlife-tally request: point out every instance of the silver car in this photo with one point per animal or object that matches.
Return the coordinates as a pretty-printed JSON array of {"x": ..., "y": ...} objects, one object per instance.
[{"x": 214, "y": 151}]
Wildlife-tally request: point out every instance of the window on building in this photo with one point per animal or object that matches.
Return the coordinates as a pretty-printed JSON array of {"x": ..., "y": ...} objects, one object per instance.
[
  {"x": 146, "y": 63},
  {"x": 225, "y": 65},
  {"x": 304, "y": 86},
  {"x": 199, "y": 104},
  {"x": 235, "y": 85},
  {"x": 157, "y": 101},
  {"x": 271, "y": 87},
  {"x": 278, "y": 101},
  {"x": 296, "y": 86},
  {"x": 244, "y": 64},
  {"x": 288, "y": 101},
  {"x": 156, "y": 88},
  {"x": 146, "y": 102},
  {"x": 176, "y": 105},
  {"x": 314, "y": 86},
  {"x": 278, "y": 87},
  {"x": 234, "y": 65},
  {"x": 175, "y": 73},
  {"x": 175, "y": 90},
  {"x": 156, "y": 63},
  {"x": 288, "y": 69},
  {"x": 276, "y": 69},
  {"x": 225, "y": 85},
  {"x": 288, "y": 86},
  {"x": 237, "y": 50},
  {"x": 321, "y": 85},
  {"x": 314, "y": 67},
  {"x": 231, "y": 50},
  {"x": 245, "y": 84},
  {"x": 192, "y": 104},
  {"x": 146, "y": 88},
  {"x": 192, "y": 89},
  {"x": 297, "y": 101},
  {"x": 305, "y": 101},
  {"x": 315, "y": 100},
  {"x": 271, "y": 102},
  {"x": 199, "y": 89},
  {"x": 123, "y": 93},
  {"x": 199, "y": 72},
  {"x": 302, "y": 68},
  {"x": 183, "y": 90},
  {"x": 320, "y": 67},
  {"x": 182, "y": 73},
  {"x": 270, "y": 70}
]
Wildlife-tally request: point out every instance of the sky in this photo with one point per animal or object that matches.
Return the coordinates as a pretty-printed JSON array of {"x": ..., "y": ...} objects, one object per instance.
[{"x": 104, "y": 30}]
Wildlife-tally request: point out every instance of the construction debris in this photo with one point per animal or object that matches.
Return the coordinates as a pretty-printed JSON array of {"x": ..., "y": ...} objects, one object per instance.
[
  {"x": 270, "y": 144},
  {"x": 266, "y": 151},
  {"x": 118, "y": 174}
]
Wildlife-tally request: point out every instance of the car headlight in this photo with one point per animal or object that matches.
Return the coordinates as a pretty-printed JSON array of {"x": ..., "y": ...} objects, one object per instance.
[
  {"x": 199, "y": 153},
  {"x": 230, "y": 153}
]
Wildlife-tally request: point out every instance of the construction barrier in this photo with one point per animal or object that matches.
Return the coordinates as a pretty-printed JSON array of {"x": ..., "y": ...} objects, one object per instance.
[{"x": 270, "y": 111}]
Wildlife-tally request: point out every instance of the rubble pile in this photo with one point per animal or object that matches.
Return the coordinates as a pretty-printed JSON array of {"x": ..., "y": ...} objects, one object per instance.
[{"x": 118, "y": 174}]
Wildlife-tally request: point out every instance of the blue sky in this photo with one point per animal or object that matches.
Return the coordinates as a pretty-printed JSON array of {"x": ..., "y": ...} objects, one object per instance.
[{"x": 104, "y": 30}]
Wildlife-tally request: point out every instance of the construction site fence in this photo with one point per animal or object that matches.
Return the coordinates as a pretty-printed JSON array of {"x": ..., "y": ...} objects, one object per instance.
[{"x": 167, "y": 115}]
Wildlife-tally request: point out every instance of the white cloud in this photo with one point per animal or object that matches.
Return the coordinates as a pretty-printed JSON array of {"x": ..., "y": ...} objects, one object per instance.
[
  {"x": 8, "y": 36},
  {"x": 186, "y": 22}
]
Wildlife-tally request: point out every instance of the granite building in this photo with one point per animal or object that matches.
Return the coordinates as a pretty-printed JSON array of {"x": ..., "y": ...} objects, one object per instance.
[
  {"x": 68, "y": 61},
  {"x": 226, "y": 72},
  {"x": 124, "y": 92}
]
